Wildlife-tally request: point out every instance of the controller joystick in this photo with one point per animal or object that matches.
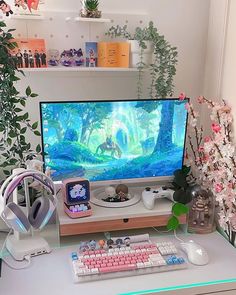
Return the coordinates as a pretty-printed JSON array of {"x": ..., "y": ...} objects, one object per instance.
[{"x": 150, "y": 195}]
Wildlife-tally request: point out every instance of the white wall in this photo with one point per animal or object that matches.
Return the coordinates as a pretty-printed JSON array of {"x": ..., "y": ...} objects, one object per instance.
[
  {"x": 228, "y": 89},
  {"x": 184, "y": 23}
]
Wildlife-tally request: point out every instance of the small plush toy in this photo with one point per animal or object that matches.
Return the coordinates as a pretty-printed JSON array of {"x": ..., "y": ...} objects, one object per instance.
[{"x": 6, "y": 8}]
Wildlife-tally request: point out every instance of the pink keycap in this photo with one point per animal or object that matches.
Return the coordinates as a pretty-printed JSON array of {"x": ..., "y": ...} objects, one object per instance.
[
  {"x": 115, "y": 263},
  {"x": 117, "y": 268},
  {"x": 121, "y": 263}
]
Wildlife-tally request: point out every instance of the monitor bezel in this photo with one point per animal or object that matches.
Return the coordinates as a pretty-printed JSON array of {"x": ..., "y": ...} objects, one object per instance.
[{"x": 131, "y": 181}]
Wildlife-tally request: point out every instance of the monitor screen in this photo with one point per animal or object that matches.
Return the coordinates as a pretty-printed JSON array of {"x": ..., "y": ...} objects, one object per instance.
[{"x": 114, "y": 140}]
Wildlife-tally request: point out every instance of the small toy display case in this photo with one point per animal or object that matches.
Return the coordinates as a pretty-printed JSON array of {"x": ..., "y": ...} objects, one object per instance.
[{"x": 76, "y": 194}]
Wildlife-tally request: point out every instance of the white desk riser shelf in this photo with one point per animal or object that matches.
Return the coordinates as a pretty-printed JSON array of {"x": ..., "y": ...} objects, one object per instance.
[
  {"x": 52, "y": 274},
  {"x": 110, "y": 219}
]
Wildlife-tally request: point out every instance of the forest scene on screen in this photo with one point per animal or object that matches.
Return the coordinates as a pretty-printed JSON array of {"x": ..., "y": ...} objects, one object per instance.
[{"x": 115, "y": 139}]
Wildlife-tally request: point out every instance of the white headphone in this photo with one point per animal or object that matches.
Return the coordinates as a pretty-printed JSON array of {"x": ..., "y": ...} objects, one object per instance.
[{"x": 41, "y": 210}]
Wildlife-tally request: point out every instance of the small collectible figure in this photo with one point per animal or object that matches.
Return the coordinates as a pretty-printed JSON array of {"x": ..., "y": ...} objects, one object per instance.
[
  {"x": 6, "y": 8},
  {"x": 127, "y": 241},
  {"x": 53, "y": 57},
  {"x": 119, "y": 242},
  {"x": 78, "y": 57},
  {"x": 110, "y": 243},
  {"x": 201, "y": 209},
  {"x": 83, "y": 246},
  {"x": 110, "y": 191},
  {"x": 92, "y": 58},
  {"x": 92, "y": 245},
  {"x": 122, "y": 192},
  {"x": 101, "y": 243}
]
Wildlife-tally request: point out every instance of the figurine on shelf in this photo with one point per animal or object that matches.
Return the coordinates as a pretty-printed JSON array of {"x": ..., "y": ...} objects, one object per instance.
[
  {"x": 92, "y": 244},
  {"x": 66, "y": 58},
  {"x": 127, "y": 241},
  {"x": 122, "y": 192},
  {"x": 101, "y": 244},
  {"x": 78, "y": 57},
  {"x": 6, "y": 8},
  {"x": 53, "y": 57},
  {"x": 200, "y": 209},
  {"x": 201, "y": 213}
]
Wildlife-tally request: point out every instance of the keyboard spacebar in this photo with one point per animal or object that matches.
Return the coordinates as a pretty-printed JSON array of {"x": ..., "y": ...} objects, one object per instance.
[{"x": 117, "y": 268}]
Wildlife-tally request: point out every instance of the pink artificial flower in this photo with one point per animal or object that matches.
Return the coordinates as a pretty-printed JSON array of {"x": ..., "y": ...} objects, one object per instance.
[
  {"x": 218, "y": 187},
  {"x": 187, "y": 106},
  {"x": 200, "y": 99},
  {"x": 215, "y": 127},
  {"x": 201, "y": 149},
  {"x": 230, "y": 185},
  {"x": 207, "y": 139},
  {"x": 182, "y": 96}
]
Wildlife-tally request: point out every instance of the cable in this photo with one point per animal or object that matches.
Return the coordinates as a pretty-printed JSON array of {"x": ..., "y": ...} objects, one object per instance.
[
  {"x": 167, "y": 231},
  {"x": 162, "y": 232},
  {"x": 182, "y": 241}
]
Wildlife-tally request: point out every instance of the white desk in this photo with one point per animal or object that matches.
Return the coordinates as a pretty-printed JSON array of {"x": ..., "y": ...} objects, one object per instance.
[{"x": 52, "y": 274}]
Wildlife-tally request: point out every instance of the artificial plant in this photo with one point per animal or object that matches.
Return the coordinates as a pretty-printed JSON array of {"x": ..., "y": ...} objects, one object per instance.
[
  {"x": 163, "y": 67},
  {"x": 182, "y": 195},
  {"x": 14, "y": 120},
  {"x": 90, "y": 9}
]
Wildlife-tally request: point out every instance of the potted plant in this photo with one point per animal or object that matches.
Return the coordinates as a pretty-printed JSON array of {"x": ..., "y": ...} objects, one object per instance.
[
  {"x": 183, "y": 194},
  {"x": 14, "y": 120},
  {"x": 162, "y": 65},
  {"x": 90, "y": 9}
]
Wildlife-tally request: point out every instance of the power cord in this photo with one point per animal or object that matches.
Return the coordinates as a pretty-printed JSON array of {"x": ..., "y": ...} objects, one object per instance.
[{"x": 167, "y": 231}]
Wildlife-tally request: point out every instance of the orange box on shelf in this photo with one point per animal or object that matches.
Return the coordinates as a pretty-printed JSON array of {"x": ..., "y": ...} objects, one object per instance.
[{"x": 113, "y": 54}]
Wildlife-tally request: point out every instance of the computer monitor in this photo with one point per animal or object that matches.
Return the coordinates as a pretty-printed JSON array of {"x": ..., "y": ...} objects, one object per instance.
[{"x": 118, "y": 141}]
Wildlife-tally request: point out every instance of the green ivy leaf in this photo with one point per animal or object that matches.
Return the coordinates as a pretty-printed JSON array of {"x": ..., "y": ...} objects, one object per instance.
[
  {"x": 23, "y": 130},
  {"x": 6, "y": 172},
  {"x": 38, "y": 148},
  {"x": 179, "y": 209},
  {"x": 22, "y": 102},
  {"x": 28, "y": 91},
  {"x": 17, "y": 110},
  {"x": 12, "y": 134},
  {"x": 37, "y": 133},
  {"x": 186, "y": 170},
  {"x": 33, "y": 95},
  {"x": 35, "y": 125},
  {"x": 173, "y": 223}
]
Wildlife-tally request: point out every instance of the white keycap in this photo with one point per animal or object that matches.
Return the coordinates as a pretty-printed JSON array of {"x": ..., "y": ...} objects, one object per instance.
[
  {"x": 140, "y": 265},
  {"x": 94, "y": 270},
  {"x": 98, "y": 255}
]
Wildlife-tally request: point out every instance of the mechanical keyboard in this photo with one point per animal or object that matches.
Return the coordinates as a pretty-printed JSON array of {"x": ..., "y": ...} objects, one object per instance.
[{"x": 137, "y": 259}]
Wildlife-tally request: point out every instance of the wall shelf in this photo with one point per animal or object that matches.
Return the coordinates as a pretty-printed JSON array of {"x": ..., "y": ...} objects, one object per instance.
[
  {"x": 78, "y": 69},
  {"x": 92, "y": 20},
  {"x": 28, "y": 17}
]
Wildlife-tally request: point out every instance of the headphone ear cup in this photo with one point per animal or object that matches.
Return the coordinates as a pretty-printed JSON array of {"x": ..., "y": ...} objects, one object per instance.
[
  {"x": 15, "y": 218},
  {"x": 40, "y": 213}
]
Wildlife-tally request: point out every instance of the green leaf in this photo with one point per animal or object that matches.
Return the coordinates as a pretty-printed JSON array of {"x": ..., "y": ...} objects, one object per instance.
[
  {"x": 179, "y": 209},
  {"x": 186, "y": 170},
  {"x": 23, "y": 130},
  {"x": 22, "y": 102},
  {"x": 38, "y": 148},
  {"x": 28, "y": 91},
  {"x": 35, "y": 125},
  {"x": 6, "y": 172},
  {"x": 17, "y": 110},
  {"x": 173, "y": 223},
  {"x": 33, "y": 95},
  {"x": 26, "y": 116},
  {"x": 12, "y": 134},
  {"x": 9, "y": 141},
  {"x": 37, "y": 133}
]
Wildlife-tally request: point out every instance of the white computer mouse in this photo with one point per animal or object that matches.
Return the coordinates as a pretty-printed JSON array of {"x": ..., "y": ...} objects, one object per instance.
[{"x": 196, "y": 254}]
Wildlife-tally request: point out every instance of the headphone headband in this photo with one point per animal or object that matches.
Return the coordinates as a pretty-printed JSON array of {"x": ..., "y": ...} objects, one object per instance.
[{"x": 11, "y": 183}]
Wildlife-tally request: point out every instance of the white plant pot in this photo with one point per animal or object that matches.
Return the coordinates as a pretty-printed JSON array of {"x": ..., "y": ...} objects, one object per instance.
[{"x": 135, "y": 53}]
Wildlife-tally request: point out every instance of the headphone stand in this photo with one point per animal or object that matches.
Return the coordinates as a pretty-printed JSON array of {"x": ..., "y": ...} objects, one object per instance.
[{"x": 28, "y": 246}]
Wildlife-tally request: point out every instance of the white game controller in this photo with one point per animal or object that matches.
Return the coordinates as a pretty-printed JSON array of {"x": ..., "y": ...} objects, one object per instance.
[{"x": 149, "y": 195}]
